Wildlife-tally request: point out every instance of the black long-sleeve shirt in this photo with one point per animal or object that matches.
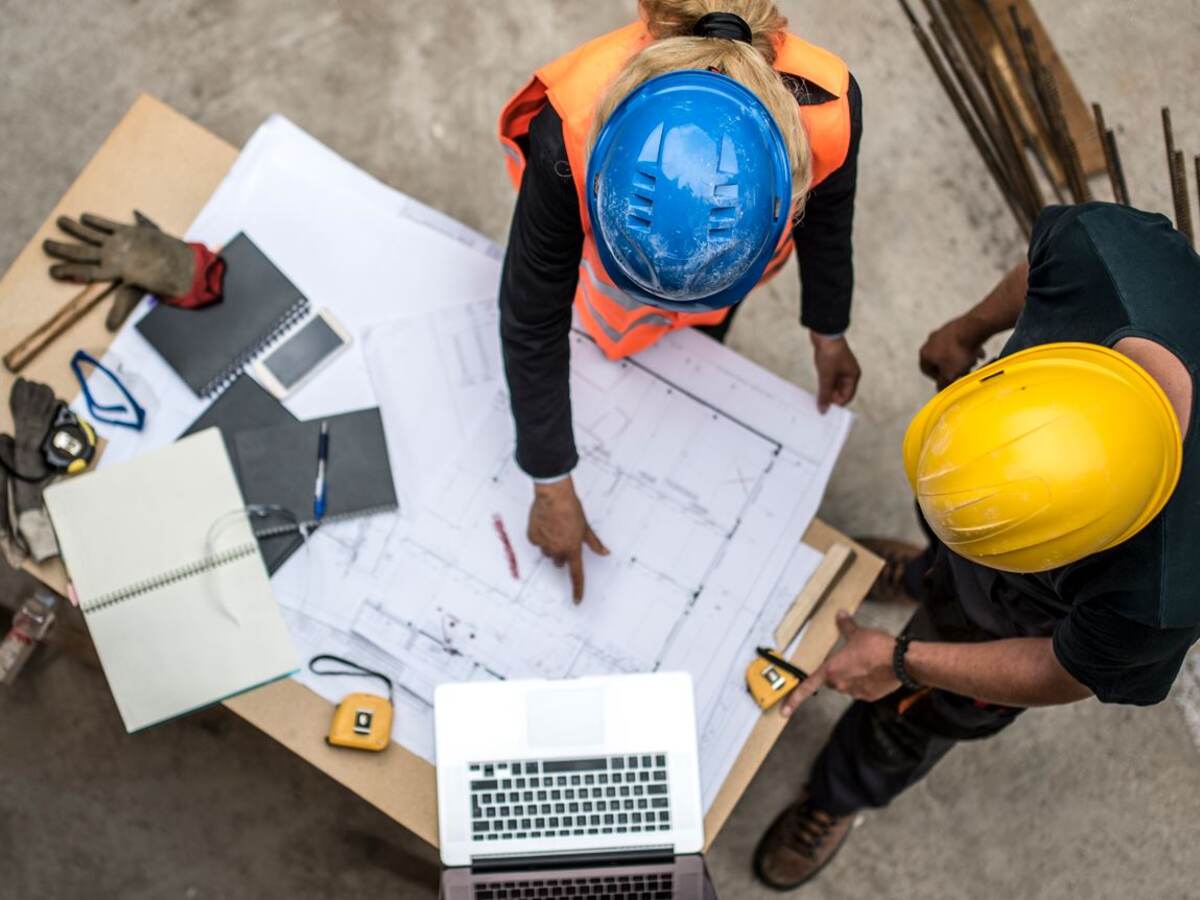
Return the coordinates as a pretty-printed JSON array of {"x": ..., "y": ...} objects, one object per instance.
[{"x": 541, "y": 268}]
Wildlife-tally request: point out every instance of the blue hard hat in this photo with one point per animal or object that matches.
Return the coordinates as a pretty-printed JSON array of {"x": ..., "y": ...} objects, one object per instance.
[{"x": 689, "y": 191}]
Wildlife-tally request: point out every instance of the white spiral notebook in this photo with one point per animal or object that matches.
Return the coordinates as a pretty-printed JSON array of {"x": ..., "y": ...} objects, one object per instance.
[{"x": 173, "y": 588}]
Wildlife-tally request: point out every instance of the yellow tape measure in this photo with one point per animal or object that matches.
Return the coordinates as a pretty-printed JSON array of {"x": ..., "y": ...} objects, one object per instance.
[
  {"x": 360, "y": 721},
  {"x": 770, "y": 678}
]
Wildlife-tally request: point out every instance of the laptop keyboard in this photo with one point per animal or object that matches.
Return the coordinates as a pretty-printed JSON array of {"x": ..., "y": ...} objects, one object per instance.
[
  {"x": 631, "y": 887},
  {"x": 569, "y": 798}
]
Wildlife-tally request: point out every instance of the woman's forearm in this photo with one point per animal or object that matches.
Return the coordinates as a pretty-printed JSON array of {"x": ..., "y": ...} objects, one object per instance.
[{"x": 1012, "y": 672}]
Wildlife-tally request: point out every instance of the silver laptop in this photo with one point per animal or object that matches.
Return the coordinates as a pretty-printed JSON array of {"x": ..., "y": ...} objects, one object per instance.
[{"x": 588, "y": 787}]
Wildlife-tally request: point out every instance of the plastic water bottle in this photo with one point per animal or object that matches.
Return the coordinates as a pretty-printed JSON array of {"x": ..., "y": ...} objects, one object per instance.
[{"x": 29, "y": 626}]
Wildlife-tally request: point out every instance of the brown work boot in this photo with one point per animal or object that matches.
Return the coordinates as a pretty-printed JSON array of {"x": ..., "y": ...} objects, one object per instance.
[
  {"x": 889, "y": 587},
  {"x": 798, "y": 845}
]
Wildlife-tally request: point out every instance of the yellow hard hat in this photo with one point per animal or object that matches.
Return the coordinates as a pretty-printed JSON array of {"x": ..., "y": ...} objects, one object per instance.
[{"x": 1044, "y": 457}]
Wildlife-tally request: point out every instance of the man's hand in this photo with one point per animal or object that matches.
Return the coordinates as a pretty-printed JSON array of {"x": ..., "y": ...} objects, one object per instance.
[
  {"x": 862, "y": 667},
  {"x": 558, "y": 526},
  {"x": 837, "y": 370},
  {"x": 952, "y": 351}
]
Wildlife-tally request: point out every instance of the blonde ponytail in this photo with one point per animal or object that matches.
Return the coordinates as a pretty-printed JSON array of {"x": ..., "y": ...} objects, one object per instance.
[{"x": 670, "y": 23}]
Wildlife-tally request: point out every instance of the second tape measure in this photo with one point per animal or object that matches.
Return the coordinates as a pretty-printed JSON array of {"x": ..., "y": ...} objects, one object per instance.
[
  {"x": 69, "y": 446},
  {"x": 360, "y": 721}
]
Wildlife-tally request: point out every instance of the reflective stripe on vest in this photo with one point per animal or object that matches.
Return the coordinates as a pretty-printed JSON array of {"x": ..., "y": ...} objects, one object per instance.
[{"x": 619, "y": 324}]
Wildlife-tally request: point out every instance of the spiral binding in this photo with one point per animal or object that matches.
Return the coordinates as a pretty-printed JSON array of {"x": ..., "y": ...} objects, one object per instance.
[
  {"x": 172, "y": 577},
  {"x": 308, "y": 525},
  {"x": 223, "y": 379}
]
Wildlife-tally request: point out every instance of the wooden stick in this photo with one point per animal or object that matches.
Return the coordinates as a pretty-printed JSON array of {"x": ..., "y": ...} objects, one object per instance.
[
  {"x": 76, "y": 308},
  {"x": 836, "y": 560}
]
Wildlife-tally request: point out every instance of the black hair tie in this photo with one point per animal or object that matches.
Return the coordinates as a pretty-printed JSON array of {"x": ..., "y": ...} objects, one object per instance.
[{"x": 729, "y": 26}]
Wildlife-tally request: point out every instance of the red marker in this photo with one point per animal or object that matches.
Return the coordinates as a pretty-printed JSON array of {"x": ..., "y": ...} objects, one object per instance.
[{"x": 498, "y": 524}]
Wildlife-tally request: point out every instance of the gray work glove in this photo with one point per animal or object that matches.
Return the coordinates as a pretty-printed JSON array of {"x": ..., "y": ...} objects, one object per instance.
[
  {"x": 12, "y": 548},
  {"x": 33, "y": 407},
  {"x": 144, "y": 259}
]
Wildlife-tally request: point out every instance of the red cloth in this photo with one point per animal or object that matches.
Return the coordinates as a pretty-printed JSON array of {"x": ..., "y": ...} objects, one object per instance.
[{"x": 206, "y": 283}]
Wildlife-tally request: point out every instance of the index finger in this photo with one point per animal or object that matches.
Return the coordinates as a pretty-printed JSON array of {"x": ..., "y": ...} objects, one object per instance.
[
  {"x": 824, "y": 391},
  {"x": 575, "y": 564},
  {"x": 802, "y": 692},
  {"x": 844, "y": 392},
  {"x": 928, "y": 367}
]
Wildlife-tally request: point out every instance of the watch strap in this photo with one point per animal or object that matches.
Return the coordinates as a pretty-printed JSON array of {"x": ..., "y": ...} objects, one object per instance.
[{"x": 898, "y": 667}]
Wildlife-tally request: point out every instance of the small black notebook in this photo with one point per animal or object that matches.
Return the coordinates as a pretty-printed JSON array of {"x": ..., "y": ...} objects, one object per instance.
[
  {"x": 246, "y": 405},
  {"x": 209, "y": 346},
  {"x": 278, "y": 466}
]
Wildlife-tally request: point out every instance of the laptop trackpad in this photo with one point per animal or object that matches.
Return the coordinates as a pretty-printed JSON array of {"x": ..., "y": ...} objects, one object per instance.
[{"x": 566, "y": 718}]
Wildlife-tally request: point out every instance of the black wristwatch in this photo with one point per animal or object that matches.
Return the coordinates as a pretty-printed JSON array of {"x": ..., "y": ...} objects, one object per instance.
[{"x": 901, "y": 673}]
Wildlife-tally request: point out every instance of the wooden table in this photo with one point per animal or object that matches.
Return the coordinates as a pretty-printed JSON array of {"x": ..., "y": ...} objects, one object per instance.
[{"x": 167, "y": 166}]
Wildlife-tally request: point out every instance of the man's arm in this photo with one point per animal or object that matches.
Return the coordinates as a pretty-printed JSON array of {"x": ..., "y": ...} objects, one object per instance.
[
  {"x": 951, "y": 351},
  {"x": 1010, "y": 672}
]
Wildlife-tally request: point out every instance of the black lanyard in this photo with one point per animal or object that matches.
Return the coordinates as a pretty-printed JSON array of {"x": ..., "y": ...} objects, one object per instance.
[{"x": 355, "y": 669}]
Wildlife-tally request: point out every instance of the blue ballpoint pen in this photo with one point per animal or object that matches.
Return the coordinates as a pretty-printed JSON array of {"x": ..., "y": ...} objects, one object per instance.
[{"x": 322, "y": 462}]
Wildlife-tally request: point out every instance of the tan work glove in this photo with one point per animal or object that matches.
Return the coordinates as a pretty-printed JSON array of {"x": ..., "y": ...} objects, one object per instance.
[{"x": 141, "y": 256}]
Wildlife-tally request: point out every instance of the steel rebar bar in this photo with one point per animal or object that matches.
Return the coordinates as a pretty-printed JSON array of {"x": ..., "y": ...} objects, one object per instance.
[
  {"x": 1109, "y": 163},
  {"x": 1185, "y": 205},
  {"x": 1047, "y": 91},
  {"x": 1178, "y": 177},
  {"x": 964, "y": 114},
  {"x": 1110, "y": 142}
]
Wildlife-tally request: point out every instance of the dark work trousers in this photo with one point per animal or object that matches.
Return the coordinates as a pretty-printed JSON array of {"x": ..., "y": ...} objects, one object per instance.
[{"x": 878, "y": 749}]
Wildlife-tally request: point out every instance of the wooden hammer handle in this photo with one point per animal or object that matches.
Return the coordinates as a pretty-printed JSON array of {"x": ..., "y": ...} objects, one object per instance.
[{"x": 76, "y": 308}]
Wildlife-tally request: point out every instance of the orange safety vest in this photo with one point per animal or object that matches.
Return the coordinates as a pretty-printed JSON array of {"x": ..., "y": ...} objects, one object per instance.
[{"x": 572, "y": 84}]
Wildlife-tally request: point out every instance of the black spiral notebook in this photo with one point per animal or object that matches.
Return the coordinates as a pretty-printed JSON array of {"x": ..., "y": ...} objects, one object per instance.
[
  {"x": 246, "y": 405},
  {"x": 209, "y": 346},
  {"x": 277, "y": 466}
]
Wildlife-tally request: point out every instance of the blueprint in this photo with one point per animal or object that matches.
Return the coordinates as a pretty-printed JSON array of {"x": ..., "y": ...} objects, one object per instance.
[
  {"x": 703, "y": 514},
  {"x": 699, "y": 470}
]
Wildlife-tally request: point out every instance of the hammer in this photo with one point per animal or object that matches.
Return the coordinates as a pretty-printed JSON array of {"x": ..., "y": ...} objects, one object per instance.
[{"x": 76, "y": 308}]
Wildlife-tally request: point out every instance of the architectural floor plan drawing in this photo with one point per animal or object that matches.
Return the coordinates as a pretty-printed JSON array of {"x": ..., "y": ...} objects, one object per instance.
[{"x": 702, "y": 512}]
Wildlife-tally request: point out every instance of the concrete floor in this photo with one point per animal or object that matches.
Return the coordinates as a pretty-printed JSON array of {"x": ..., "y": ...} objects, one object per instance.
[{"x": 1082, "y": 801}]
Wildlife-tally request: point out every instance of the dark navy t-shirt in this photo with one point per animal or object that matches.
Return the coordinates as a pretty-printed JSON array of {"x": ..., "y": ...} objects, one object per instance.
[{"x": 1122, "y": 621}]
